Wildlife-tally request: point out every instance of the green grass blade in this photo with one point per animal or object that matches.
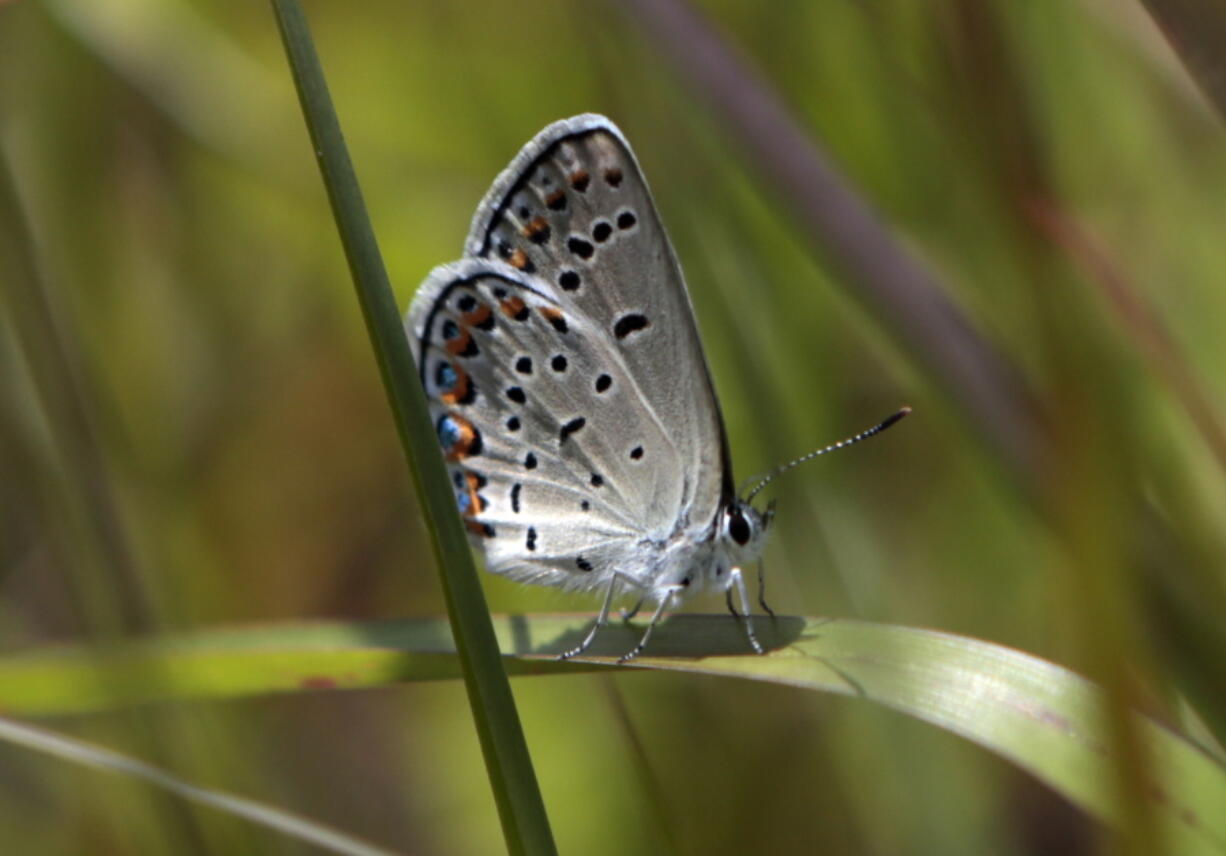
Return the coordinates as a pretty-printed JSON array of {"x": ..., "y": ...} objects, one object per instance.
[
  {"x": 520, "y": 807},
  {"x": 1041, "y": 717},
  {"x": 89, "y": 755},
  {"x": 1196, "y": 31}
]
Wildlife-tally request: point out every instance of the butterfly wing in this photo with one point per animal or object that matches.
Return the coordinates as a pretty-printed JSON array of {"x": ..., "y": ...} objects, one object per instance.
[
  {"x": 564, "y": 368},
  {"x": 574, "y": 208}
]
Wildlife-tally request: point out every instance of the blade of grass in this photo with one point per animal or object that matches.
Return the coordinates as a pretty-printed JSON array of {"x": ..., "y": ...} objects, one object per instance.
[
  {"x": 89, "y": 755},
  {"x": 79, "y": 491},
  {"x": 1196, "y": 30},
  {"x": 1185, "y": 607},
  {"x": 184, "y": 62},
  {"x": 1039, "y": 716},
  {"x": 240, "y": 663},
  {"x": 520, "y": 806}
]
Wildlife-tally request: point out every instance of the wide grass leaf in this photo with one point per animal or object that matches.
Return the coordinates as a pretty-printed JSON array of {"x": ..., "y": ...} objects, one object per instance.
[{"x": 1038, "y": 715}]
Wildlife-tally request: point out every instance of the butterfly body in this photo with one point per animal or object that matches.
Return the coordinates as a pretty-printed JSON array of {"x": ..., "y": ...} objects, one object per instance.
[{"x": 569, "y": 389}]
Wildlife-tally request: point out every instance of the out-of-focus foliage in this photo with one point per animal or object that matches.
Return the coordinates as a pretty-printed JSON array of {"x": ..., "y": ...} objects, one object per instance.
[{"x": 1051, "y": 161}]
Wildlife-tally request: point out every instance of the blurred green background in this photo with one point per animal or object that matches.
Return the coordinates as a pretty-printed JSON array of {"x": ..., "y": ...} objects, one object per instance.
[{"x": 1051, "y": 162}]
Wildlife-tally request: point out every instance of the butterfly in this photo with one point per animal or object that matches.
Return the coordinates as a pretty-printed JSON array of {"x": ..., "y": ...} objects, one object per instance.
[{"x": 572, "y": 400}]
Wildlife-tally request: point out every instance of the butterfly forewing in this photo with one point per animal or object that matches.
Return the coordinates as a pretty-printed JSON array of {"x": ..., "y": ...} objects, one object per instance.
[
  {"x": 564, "y": 369},
  {"x": 574, "y": 209}
]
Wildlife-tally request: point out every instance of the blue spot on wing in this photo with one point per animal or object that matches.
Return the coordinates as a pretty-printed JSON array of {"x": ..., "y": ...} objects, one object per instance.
[
  {"x": 445, "y": 376},
  {"x": 448, "y": 432}
]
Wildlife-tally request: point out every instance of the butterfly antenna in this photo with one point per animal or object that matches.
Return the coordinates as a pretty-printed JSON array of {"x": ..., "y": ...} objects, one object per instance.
[{"x": 850, "y": 441}]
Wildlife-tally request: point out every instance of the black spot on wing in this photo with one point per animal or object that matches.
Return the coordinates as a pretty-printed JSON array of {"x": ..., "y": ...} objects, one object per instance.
[
  {"x": 631, "y": 322},
  {"x": 571, "y": 427},
  {"x": 555, "y": 318},
  {"x": 581, "y": 248}
]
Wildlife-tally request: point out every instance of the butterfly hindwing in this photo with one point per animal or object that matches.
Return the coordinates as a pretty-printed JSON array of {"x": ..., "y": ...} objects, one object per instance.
[{"x": 534, "y": 427}]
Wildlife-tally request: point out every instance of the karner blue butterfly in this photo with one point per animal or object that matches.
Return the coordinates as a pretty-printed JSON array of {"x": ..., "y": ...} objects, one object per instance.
[{"x": 565, "y": 375}]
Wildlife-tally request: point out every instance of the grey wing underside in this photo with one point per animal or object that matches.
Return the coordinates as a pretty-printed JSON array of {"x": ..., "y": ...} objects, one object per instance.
[
  {"x": 547, "y": 502},
  {"x": 634, "y": 271},
  {"x": 568, "y": 255}
]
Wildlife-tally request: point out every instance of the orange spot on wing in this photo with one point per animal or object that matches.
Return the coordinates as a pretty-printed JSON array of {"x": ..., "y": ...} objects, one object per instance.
[
  {"x": 536, "y": 230},
  {"x": 459, "y": 344},
  {"x": 478, "y": 316},
  {"x": 463, "y": 446},
  {"x": 555, "y": 318},
  {"x": 460, "y": 389},
  {"x": 475, "y": 502},
  {"x": 476, "y": 527},
  {"x": 518, "y": 259}
]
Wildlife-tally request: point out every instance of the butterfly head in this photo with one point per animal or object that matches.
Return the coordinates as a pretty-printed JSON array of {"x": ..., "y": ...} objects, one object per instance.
[{"x": 742, "y": 528}]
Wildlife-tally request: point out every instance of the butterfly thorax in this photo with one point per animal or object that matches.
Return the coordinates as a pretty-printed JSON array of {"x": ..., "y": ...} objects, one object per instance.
[{"x": 702, "y": 560}]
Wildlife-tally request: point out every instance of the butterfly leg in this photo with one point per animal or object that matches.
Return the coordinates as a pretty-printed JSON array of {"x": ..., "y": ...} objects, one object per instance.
[
  {"x": 737, "y": 579},
  {"x": 762, "y": 590},
  {"x": 731, "y": 608},
  {"x": 655, "y": 617},
  {"x": 628, "y": 614},
  {"x": 603, "y": 618}
]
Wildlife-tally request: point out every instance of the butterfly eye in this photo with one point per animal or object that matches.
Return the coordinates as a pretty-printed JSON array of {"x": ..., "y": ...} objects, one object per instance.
[{"x": 739, "y": 529}]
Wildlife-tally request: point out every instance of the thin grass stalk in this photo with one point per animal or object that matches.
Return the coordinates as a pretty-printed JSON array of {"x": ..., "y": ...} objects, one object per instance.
[
  {"x": 88, "y": 755},
  {"x": 520, "y": 806}
]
